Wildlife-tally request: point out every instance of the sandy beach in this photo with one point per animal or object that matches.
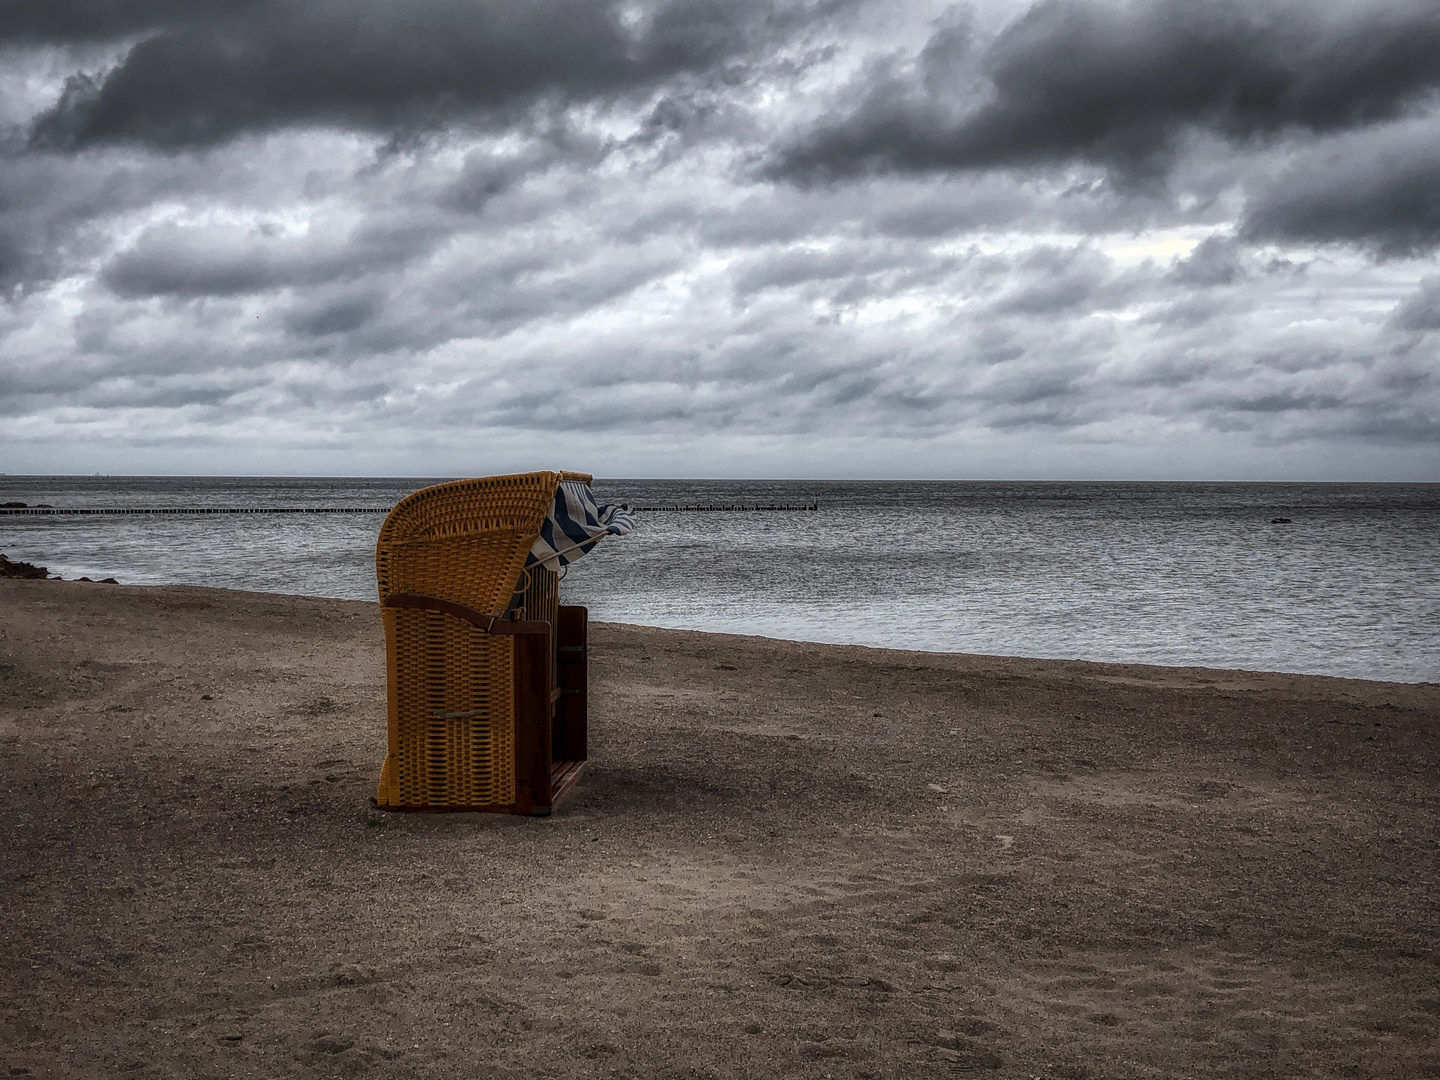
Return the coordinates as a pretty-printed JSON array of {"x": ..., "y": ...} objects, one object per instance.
[{"x": 783, "y": 860}]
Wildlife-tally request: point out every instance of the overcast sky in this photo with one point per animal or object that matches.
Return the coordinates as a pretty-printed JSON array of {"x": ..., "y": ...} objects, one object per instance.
[{"x": 812, "y": 238}]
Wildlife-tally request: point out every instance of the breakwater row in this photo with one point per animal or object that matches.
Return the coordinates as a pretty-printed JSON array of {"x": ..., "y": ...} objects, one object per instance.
[
  {"x": 122, "y": 511},
  {"x": 728, "y": 508}
]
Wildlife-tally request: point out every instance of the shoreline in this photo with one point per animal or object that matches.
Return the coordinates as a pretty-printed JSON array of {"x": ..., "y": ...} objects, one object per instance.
[
  {"x": 1193, "y": 668},
  {"x": 784, "y": 858}
]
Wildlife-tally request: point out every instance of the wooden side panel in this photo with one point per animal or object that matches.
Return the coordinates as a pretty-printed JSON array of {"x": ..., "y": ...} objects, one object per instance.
[
  {"x": 572, "y": 671},
  {"x": 532, "y": 724},
  {"x": 536, "y": 597}
]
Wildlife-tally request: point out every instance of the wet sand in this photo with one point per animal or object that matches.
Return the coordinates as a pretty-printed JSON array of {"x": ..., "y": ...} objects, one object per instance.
[{"x": 783, "y": 860}]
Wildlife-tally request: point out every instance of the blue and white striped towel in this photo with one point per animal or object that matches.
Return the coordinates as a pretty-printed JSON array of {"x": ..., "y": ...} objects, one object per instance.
[{"x": 575, "y": 524}]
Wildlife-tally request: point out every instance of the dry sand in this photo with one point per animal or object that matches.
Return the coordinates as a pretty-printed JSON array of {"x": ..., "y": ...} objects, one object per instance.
[{"x": 784, "y": 860}]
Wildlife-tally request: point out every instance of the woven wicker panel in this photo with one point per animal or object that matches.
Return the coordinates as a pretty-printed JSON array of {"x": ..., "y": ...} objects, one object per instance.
[
  {"x": 453, "y": 732},
  {"x": 464, "y": 541}
]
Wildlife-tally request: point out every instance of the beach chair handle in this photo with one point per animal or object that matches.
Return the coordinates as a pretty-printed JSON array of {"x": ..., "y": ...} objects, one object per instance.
[{"x": 489, "y": 624}]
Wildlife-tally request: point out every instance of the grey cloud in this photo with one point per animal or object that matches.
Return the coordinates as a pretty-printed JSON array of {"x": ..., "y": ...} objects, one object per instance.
[
  {"x": 339, "y": 315},
  {"x": 375, "y": 65},
  {"x": 1375, "y": 413},
  {"x": 1191, "y": 310},
  {"x": 1121, "y": 84},
  {"x": 904, "y": 209},
  {"x": 153, "y": 393},
  {"x": 482, "y": 286},
  {"x": 56, "y": 213},
  {"x": 1055, "y": 280},
  {"x": 72, "y": 21},
  {"x": 486, "y": 176},
  {"x": 162, "y": 374},
  {"x": 1420, "y": 312},
  {"x": 1046, "y": 282},
  {"x": 194, "y": 261},
  {"x": 951, "y": 210},
  {"x": 849, "y": 263},
  {"x": 1289, "y": 400},
  {"x": 1214, "y": 261},
  {"x": 43, "y": 210},
  {"x": 562, "y": 289},
  {"x": 1380, "y": 192}
]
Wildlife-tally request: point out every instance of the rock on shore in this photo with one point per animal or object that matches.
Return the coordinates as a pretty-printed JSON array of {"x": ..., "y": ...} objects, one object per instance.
[{"x": 10, "y": 569}]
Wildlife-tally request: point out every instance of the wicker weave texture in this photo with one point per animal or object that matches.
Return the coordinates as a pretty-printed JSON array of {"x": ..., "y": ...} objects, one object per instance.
[
  {"x": 453, "y": 737},
  {"x": 464, "y": 541}
]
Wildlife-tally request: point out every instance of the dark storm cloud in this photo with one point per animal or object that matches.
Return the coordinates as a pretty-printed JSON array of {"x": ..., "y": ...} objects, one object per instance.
[
  {"x": 33, "y": 221},
  {"x": 168, "y": 263},
  {"x": 1380, "y": 192},
  {"x": 486, "y": 176},
  {"x": 46, "y": 207},
  {"x": 1120, "y": 85},
  {"x": 70, "y": 21},
  {"x": 200, "y": 78},
  {"x": 1215, "y": 261},
  {"x": 176, "y": 261},
  {"x": 332, "y": 315},
  {"x": 1421, "y": 311}
]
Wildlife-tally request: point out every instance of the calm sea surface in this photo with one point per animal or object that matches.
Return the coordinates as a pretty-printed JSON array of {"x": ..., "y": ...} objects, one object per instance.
[{"x": 1154, "y": 573}]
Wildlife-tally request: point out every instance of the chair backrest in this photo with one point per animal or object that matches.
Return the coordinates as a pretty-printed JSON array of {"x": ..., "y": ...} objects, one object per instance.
[{"x": 467, "y": 540}]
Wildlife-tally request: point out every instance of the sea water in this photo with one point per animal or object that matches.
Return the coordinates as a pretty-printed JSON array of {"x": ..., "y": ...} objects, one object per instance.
[{"x": 1174, "y": 573}]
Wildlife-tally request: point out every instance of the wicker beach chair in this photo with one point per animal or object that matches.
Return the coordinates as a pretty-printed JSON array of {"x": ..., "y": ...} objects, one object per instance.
[{"x": 486, "y": 672}]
